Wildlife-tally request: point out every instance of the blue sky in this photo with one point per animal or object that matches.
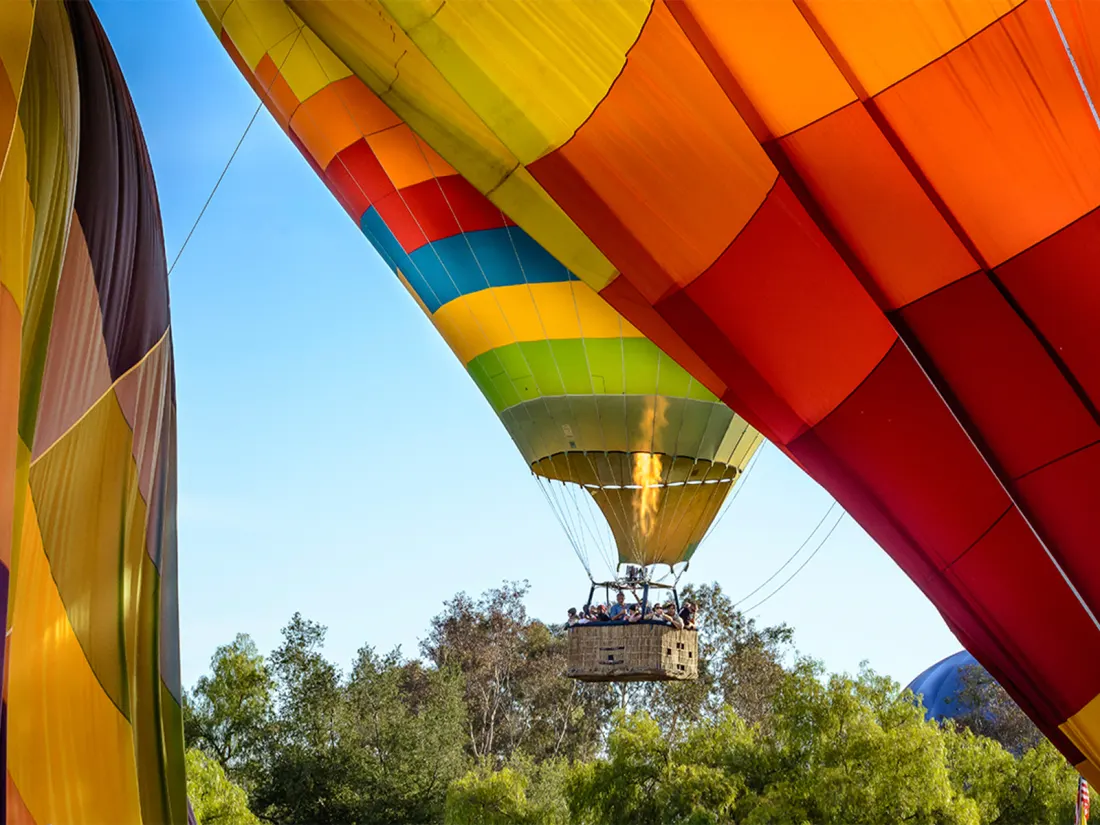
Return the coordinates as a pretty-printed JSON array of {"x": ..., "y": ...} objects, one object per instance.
[{"x": 335, "y": 458}]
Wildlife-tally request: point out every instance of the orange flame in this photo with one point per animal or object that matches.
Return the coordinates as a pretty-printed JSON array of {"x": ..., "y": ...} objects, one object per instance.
[{"x": 647, "y": 475}]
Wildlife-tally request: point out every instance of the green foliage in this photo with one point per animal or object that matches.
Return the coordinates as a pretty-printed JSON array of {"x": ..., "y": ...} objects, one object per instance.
[
  {"x": 215, "y": 800},
  {"x": 516, "y": 698},
  {"x": 228, "y": 713},
  {"x": 486, "y": 730}
]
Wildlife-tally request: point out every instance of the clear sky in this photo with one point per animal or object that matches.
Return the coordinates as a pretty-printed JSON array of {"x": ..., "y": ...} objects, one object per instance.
[{"x": 334, "y": 457}]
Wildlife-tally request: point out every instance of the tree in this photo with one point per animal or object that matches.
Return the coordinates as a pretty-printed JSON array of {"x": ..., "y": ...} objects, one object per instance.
[
  {"x": 740, "y": 666},
  {"x": 988, "y": 710},
  {"x": 516, "y": 696},
  {"x": 517, "y": 794},
  {"x": 228, "y": 713},
  {"x": 214, "y": 798},
  {"x": 405, "y": 727},
  {"x": 308, "y": 772},
  {"x": 645, "y": 780}
]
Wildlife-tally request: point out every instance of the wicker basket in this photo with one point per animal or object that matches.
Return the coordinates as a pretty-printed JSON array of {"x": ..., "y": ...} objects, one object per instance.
[{"x": 635, "y": 652}]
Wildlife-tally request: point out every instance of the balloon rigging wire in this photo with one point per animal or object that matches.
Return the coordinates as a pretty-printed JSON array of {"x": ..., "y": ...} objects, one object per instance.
[
  {"x": 809, "y": 558},
  {"x": 236, "y": 148},
  {"x": 793, "y": 555}
]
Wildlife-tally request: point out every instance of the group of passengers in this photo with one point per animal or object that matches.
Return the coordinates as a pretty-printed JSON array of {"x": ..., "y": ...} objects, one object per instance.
[{"x": 620, "y": 611}]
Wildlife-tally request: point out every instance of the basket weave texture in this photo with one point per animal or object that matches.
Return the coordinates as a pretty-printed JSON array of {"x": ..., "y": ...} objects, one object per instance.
[{"x": 632, "y": 652}]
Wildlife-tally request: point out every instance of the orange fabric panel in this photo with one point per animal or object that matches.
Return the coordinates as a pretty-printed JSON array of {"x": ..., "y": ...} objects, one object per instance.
[
  {"x": 337, "y": 116},
  {"x": 282, "y": 102},
  {"x": 877, "y": 207},
  {"x": 1001, "y": 376},
  {"x": 883, "y": 42},
  {"x": 813, "y": 334},
  {"x": 1003, "y": 133},
  {"x": 777, "y": 60},
  {"x": 407, "y": 159},
  {"x": 17, "y": 813},
  {"x": 669, "y": 155}
]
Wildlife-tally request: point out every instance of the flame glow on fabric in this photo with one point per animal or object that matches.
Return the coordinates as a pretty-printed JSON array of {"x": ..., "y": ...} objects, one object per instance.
[
  {"x": 608, "y": 423},
  {"x": 870, "y": 228},
  {"x": 91, "y": 715}
]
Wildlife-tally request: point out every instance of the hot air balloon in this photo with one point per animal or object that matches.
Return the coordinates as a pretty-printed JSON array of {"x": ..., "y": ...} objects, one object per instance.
[
  {"x": 634, "y": 454},
  {"x": 91, "y": 718},
  {"x": 869, "y": 228}
]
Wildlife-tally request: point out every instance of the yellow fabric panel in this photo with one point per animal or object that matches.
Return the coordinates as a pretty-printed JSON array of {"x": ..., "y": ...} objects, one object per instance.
[
  {"x": 495, "y": 317},
  {"x": 16, "y": 219},
  {"x": 92, "y": 522},
  {"x": 777, "y": 60},
  {"x": 213, "y": 11},
  {"x": 310, "y": 65},
  {"x": 16, "y": 26},
  {"x": 257, "y": 27},
  {"x": 71, "y": 753},
  {"x": 10, "y": 328},
  {"x": 407, "y": 159},
  {"x": 533, "y": 71},
  {"x": 884, "y": 42},
  {"x": 421, "y": 97},
  {"x": 523, "y": 199},
  {"x": 677, "y": 520},
  {"x": 1083, "y": 729}
]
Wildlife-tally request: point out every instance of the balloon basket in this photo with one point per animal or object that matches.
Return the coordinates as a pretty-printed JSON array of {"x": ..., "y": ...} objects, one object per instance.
[{"x": 632, "y": 652}]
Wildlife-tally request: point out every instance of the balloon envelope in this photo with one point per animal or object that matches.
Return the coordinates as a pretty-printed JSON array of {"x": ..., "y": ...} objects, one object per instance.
[
  {"x": 870, "y": 228},
  {"x": 92, "y": 721},
  {"x": 589, "y": 400}
]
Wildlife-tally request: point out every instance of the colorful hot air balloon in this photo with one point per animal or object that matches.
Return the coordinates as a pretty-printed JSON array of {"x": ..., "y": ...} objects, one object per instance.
[
  {"x": 596, "y": 409},
  {"x": 869, "y": 227},
  {"x": 91, "y": 719}
]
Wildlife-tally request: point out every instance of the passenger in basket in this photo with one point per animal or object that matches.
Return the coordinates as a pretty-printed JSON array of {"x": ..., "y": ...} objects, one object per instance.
[
  {"x": 634, "y": 613},
  {"x": 619, "y": 606},
  {"x": 573, "y": 617},
  {"x": 601, "y": 614},
  {"x": 672, "y": 617},
  {"x": 687, "y": 613}
]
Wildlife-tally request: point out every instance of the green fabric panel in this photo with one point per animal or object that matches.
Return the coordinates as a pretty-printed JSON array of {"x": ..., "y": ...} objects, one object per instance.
[
  {"x": 172, "y": 732},
  {"x": 145, "y": 698},
  {"x": 528, "y": 370},
  {"x": 48, "y": 113}
]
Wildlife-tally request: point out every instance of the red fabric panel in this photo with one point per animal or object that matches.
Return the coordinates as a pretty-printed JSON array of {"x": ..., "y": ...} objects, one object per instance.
[
  {"x": 1010, "y": 390},
  {"x": 357, "y": 179},
  {"x": 435, "y": 209},
  {"x": 1056, "y": 285},
  {"x": 1063, "y": 499},
  {"x": 1011, "y": 585},
  {"x": 894, "y": 442},
  {"x": 786, "y": 301}
]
